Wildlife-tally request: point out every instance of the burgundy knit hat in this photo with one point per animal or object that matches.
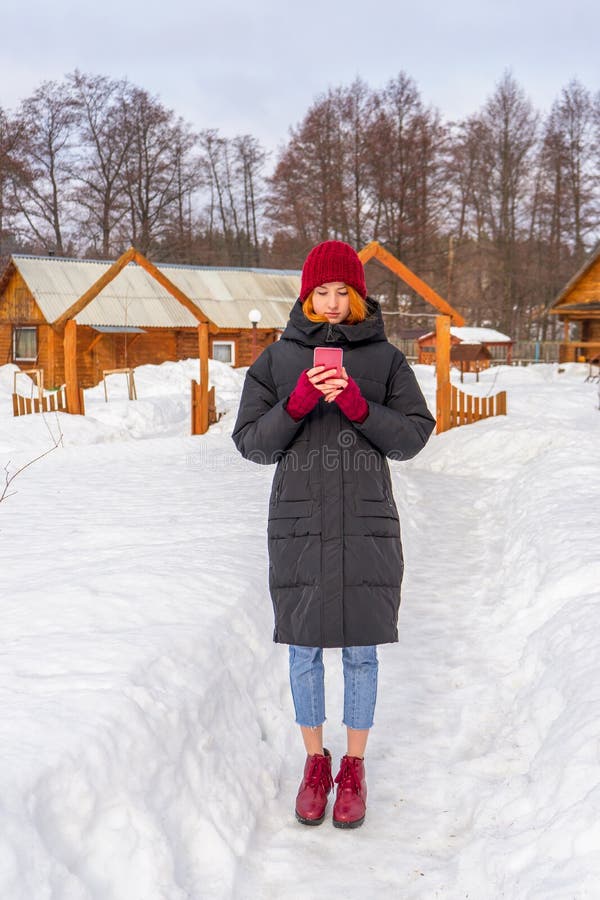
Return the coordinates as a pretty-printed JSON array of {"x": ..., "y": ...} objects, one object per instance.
[{"x": 332, "y": 261}]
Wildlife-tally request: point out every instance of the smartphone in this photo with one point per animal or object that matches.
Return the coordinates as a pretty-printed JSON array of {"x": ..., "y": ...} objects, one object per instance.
[{"x": 330, "y": 357}]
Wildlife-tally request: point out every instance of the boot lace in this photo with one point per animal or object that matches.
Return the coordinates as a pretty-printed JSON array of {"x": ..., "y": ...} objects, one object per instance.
[
  {"x": 348, "y": 777},
  {"x": 319, "y": 772}
]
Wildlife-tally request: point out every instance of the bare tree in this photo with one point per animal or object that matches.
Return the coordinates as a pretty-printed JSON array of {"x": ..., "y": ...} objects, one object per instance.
[
  {"x": 572, "y": 117},
  {"x": 46, "y": 126},
  {"x": 233, "y": 183},
  {"x": 11, "y": 172},
  {"x": 98, "y": 164},
  {"x": 308, "y": 191},
  {"x": 509, "y": 138},
  {"x": 357, "y": 105},
  {"x": 406, "y": 151},
  {"x": 213, "y": 150},
  {"x": 250, "y": 160},
  {"x": 158, "y": 148}
]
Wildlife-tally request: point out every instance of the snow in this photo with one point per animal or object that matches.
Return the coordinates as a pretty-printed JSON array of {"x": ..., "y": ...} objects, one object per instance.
[
  {"x": 470, "y": 334},
  {"x": 147, "y": 740}
]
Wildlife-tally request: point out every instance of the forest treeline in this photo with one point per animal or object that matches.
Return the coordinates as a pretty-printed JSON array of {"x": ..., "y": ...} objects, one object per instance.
[{"x": 495, "y": 211}]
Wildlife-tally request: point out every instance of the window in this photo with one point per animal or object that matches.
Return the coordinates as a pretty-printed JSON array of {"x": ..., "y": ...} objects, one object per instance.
[
  {"x": 428, "y": 349},
  {"x": 224, "y": 351},
  {"x": 25, "y": 344}
]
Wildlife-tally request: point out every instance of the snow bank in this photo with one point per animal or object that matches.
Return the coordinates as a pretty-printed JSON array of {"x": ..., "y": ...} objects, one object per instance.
[
  {"x": 162, "y": 407},
  {"x": 534, "y": 824}
]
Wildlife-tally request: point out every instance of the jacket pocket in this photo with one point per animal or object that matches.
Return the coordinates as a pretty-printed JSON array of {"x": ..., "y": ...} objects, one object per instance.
[
  {"x": 382, "y": 507},
  {"x": 291, "y": 509},
  {"x": 277, "y": 484}
]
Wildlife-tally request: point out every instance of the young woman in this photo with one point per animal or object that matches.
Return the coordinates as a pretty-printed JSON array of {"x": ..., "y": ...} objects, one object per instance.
[{"x": 335, "y": 554}]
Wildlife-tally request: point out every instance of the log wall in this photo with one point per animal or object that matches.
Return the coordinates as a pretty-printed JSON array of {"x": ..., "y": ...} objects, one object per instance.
[
  {"x": 243, "y": 343},
  {"x": 5, "y": 343},
  {"x": 17, "y": 304}
]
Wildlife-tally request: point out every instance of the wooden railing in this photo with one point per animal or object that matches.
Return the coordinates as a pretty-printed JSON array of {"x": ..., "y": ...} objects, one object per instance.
[
  {"x": 54, "y": 402},
  {"x": 462, "y": 408}
]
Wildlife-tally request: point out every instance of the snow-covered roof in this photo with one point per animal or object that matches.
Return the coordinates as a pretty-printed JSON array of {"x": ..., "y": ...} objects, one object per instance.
[
  {"x": 133, "y": 297},
  {"x": 471, "y": 335}
]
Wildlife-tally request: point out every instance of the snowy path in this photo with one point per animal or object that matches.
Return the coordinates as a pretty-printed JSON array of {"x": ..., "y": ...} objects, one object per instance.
[
  {"x": 434, "y": 717},
  {"x": 485, "y": 740},
  {"x": 147, "y": 744}
]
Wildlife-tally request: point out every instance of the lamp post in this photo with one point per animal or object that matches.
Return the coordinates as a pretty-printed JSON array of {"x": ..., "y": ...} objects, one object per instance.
[{"x": 255, "y": 316}]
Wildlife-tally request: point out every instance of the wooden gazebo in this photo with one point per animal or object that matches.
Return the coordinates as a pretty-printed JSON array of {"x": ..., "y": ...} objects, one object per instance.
[
  {"x": 66, "y": 322},
  {"x": 453, "y": 407}
]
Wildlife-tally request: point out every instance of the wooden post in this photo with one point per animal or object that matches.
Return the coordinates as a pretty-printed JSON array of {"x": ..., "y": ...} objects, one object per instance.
[
  {"x": 203, "y": 345},
  {"x": 196, "y": 419},
  {"x": 51, "y": 366},
  {"x": 442, "y": 370},
  {"x": 73, "y": 392}
]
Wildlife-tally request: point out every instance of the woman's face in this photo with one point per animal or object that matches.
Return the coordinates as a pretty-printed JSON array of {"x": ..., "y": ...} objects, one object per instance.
[{"x": 331, "y": 300}]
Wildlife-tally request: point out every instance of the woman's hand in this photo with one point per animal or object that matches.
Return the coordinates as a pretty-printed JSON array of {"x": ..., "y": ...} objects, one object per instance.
[
  {"x": 329, "y": 386},
  {"x": 312, "y": 384}
]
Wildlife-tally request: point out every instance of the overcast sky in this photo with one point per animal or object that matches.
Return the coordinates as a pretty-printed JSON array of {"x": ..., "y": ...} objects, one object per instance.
[{"x": 255, "y": 66}]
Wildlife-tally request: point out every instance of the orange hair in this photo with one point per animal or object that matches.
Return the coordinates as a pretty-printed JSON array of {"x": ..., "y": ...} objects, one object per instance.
[{"x": 356, "y": 313}]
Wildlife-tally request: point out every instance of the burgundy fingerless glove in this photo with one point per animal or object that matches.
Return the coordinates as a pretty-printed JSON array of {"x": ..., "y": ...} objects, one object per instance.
[
  {"x": 352, "y": 403},
  {"x": 303, "y": 398}
]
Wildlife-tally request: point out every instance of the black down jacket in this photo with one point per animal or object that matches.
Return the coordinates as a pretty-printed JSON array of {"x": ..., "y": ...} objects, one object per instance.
[{"x": 335, "y": 554}]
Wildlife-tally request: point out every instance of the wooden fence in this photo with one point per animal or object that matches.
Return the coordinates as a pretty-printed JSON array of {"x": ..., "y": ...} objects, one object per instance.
[
  {"x": 198, "y": 426},
  {"x": 462, "y": 409},
  {"x": 54, "y": 402},
  {"x": 523, "y": 352},
  {"x": 453, "y": 406}
]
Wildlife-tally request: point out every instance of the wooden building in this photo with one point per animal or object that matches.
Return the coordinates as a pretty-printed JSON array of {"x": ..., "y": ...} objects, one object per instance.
[
  {"x": 470, "y": 357},
  {"x": 134, "y": 319},
  {"x": 578, "y": 307},
  {"x": 498, "y": 345}
]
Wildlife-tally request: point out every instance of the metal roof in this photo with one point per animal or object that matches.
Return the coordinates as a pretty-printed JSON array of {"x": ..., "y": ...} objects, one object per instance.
[
  {"x": 227, "y": 295},
  {"x": 134, "y": 298}
]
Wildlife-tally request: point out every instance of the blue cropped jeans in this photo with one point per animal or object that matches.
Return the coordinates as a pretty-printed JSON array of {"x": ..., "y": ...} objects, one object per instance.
[{"x": 307, "y": 680}]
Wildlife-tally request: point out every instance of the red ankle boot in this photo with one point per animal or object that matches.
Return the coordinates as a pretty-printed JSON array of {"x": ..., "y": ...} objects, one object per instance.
[
  {"x": 351, "y": 799},
  {"x": 314, "y": 789}
]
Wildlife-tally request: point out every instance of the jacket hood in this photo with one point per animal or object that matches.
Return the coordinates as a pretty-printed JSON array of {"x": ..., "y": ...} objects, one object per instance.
[{"x": 314, "y": 334}]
